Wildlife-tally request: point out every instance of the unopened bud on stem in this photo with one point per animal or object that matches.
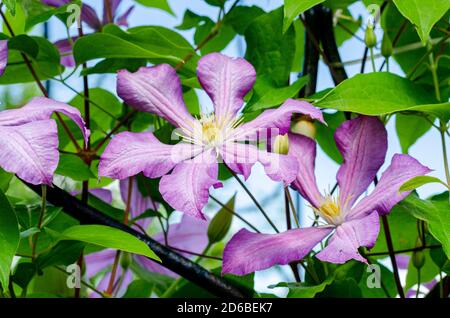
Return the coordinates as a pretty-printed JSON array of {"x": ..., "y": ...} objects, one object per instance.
[
  {"x": 281, "y": 144},
  {"x": 370, "y": 38}
]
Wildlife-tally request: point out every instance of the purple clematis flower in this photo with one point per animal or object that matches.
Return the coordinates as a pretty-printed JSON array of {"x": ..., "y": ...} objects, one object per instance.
[
  {"x": 363, "y": 144},
  {"x": 3, "y": 56},
  {"x": 90, "y": 17},
  {"x": 205, "y": 141},
  {"x": 29, "y": 139},
  {"x": 188, "y": 235}
]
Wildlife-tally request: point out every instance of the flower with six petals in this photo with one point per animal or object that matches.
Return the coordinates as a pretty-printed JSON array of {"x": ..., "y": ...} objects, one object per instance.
[
  {"x": 190, "y": 167},
  {"x": 363, "y": 143}
]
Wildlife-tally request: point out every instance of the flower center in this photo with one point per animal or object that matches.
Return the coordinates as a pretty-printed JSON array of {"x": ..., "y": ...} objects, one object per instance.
[
  {"x": 211, "y": 133},
  {"x": 331, "y": 210}
]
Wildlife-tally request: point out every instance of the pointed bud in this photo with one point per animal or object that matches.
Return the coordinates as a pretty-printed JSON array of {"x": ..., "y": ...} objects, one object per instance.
[
  {"x": 370, "y": 38},
  {"x": 221, "y": 223},
  {"x": 125, "y": 260},
  {"x": 418, "y": 257},
  {"x": 386, "y": 46},
  {"x": 281, "y": 144},
  {"x": 304, "y": 126}
]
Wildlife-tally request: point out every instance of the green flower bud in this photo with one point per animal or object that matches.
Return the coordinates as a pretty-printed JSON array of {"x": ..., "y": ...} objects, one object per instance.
[
  {"x": 418, "y": 257},
  {"x": 221, "y": 223},
  {"x": 125, "y": 260},
  {"x": 370, "y": 38},
  {"x": 281, "y": 144},
  {"x": 304, "y": 126},
  {"x": 386, "y": 46}
]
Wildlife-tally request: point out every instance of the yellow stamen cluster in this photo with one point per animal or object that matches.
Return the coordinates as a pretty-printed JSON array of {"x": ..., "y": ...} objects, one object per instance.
[
  {"x": 332, "y": 209},
  {"x": 209, "y": 131}
]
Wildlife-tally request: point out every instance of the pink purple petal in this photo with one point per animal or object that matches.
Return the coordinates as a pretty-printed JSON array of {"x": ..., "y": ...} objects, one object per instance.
[
  {"x": 226, "y": 80},
  {"x": 304, "y": 150},
  {"x": 41, "y": 108},
  {"x": 188, "y": 235},
  {"x": 65, "y": 50},
  {"x": 113, "y": 6},
  {"x": 3, "y": 56},
  {"x": 277, "y": 121},
  {"x": 123, "y": 19},
  {"x": 248, "y": 252},
  {"x": 129, "y": 153},
  {"x": 138, "y": 203},
  {"x": 363, "y": 144},
  {"x": 241, "y": 157},
  {"x": 386, "y": 194},
  {"x": 90, "y": 17},
  {"x": 349, "y": 236},
  {"x": 186, "y": 189},
  {"x": 156, "y": 90},
  {"x": 30, "y": 150}
]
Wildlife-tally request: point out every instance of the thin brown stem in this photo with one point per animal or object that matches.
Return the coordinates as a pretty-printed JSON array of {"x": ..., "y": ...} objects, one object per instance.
[
  {"x": 115, "y": 129},
  {"x": 390, "y": 246},
  {"x": 41, "y": 219},
  {"x": 126, "y": 215},
  {"x": 260, "y": 208},
  {"x": 195, "y": 254},
  {"x": 420, "y": 248},
  {"x": 226, "y": 208}
]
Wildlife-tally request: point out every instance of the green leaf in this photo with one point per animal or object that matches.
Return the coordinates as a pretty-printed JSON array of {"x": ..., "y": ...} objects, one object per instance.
[
  {"x": 293, "y": 8},
  {"x": 25, "y": 44},
  {"x": 161, "y": 40},
  {"x": 63, "y": 253},
  {"x": 403, "y": 229},
  {"x": 409, "y": 129},
  {"x": 16, "y": 21},
  {"x": 37, "y": 12},
  {"x": 423, "y": 14},
  {"x": 345, "y": 29},
  {"x": 427, "y": 273},
  {"x": 101, "y": 45},
  {"x": 269, "y": 50},
  {"x": 435, "y": 213},
  {"x": 159, "y": 4},
  {"x": 216, "y": 3},
  {"x": 139, "y": 289},
  {"x": 387, "y": 280},
  {"x": 325, "y": 135},
  {"x": 220, "y": 41},
  {"x": 383, "y": 93},
  {"x": 265, "y": 95},
  {"x": 114, "y": 65},
  {"x": 240, "y": 17},
  {"x": 5, "y": 178},
  {"x": 160, "y": 282},
  {"x": 297, "y": 64},
  {"x": 309, "y": 290},
  {"x": 23, "y": 274},
  {"x": 9, "y": 238},
  {"x": 11, "y": 6},
  {"x": 418, "y": 182},
  {"x": 392, "y": 21},
  {"x": 221, "y": 223},
  {"x": 104, "y": 107},
  {"x": 46, "y": 63},
  {"x": 191, "y": 20},
  {"x": 73, "y": 167},
  {"x": 108, "y": 237}
]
